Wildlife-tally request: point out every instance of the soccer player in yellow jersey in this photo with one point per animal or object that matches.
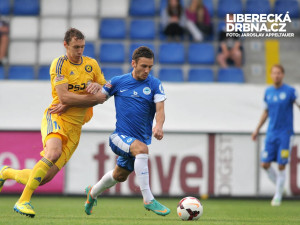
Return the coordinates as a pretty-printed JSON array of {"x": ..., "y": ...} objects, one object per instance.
[{"x": 76, "y": 81}]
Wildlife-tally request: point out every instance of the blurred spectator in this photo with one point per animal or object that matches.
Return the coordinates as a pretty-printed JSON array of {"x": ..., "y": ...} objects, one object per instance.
[
  {"x": 198, "y": 20},
  {"x": 173, "y": 20},
  {"x": 4, "y": 29},
  {"x": 230, "y": 48}
]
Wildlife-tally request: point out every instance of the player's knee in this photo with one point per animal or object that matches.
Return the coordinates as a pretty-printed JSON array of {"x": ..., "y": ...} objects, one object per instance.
[
  {"x": 265, "y": 165},
  {"x": 281, "y": 167},
  {"x": 120, "y": 177},
  {"x": 138, "y": 148},
  {"x": 53, "y": 154}
]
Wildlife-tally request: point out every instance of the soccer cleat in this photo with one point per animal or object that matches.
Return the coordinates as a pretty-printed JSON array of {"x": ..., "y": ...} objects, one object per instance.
[
  {"x": 24, "y": 208},
  {"x": 157, "y": 208},
  {"x": 2, "y": 180},
  {"x": 90, "y": 202},
  {"x": 276, "y": 202}
]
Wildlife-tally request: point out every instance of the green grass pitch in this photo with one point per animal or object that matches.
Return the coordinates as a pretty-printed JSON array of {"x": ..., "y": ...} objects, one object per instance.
[{"x": 130, "y": 211}]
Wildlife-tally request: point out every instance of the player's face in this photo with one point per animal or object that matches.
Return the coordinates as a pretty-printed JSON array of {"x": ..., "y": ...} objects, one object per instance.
[
  {"x": 75, "y": 49},
  {"x": 142, "y": 68},
  {"x": 277, "y": 76}
]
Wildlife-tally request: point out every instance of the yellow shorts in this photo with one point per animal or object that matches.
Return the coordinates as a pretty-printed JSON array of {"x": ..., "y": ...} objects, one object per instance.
[{"x": 69, "y": 133}]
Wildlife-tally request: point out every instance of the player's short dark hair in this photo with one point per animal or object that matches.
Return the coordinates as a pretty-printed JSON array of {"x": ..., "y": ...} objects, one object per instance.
[
  {"x": 73, "y": 32},
  {"x": 142, "y": 51},
  {"x": 279, "y": 66}
]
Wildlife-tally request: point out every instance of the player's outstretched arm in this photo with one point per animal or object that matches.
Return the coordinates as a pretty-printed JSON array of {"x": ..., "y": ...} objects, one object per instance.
[
  {"x": 262, "y": 120},
  {"x": 160, "y": 119},
  {"x": 71, "y": 99}
]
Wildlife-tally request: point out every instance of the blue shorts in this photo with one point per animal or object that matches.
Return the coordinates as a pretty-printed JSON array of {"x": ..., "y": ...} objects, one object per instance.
[
  {"x": 120, "y": 144},
  {"x": 277, "y": 148}
]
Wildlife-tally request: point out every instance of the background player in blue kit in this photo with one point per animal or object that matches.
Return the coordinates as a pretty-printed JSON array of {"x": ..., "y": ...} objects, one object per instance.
[
  {"x": 138, "y": 97},
  {"x": 279, "y": 100}
]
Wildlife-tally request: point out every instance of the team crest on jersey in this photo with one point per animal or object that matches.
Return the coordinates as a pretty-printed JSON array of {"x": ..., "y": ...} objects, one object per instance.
[
  {"x": 72, "y": 73},
  {"x": 59, "y": 77},
  {"x": 88, "y": 68},
  {"x": 282, "y": 95},
  {"x": 147, "y": 91}
]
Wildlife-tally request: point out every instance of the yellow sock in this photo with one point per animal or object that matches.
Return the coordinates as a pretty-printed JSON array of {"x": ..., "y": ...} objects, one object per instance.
[
  {"x": 21, "y": 176},
  {"x": 38, "y": 173}
]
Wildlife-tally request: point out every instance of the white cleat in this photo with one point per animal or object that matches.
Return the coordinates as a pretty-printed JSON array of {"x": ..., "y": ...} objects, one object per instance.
[{"x": 276, "y": 202}]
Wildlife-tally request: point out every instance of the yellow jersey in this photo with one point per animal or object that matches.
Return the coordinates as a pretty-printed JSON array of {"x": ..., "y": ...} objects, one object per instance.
[{"x": 77, "y": 76}]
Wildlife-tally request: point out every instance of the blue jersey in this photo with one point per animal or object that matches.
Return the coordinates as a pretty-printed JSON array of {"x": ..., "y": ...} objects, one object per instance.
[
  {"x": 135, "y": 104},
  {"x": 279, "y": 103}
]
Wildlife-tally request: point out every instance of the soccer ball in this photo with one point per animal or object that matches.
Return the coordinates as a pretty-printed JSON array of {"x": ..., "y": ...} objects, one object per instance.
[{"x": 189, "y": 208}]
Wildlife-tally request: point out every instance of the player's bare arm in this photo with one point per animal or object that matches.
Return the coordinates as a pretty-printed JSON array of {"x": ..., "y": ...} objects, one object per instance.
[
  {"x": 93, "y": 88},
  {"x": 160, "y": 119},
  {"x": 262, "y": 120},
  {"x": 71, "y": 99}
]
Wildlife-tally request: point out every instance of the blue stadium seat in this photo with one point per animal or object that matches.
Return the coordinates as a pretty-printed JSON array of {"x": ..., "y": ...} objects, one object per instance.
[
  {"x": 229, "y": 6},
  {"x": 172, "y": 53},
  {"x": 201, "y": 75},
  {"x": 26, "y": 7},
  {"x": 171, "y": 75},
  {"x": 21, "y": 73},
  {"x": 210, "y": 7},
  {"x": 89, "y": 50},
  {"x": 4, "y": 7},
  {"x": 291, "y": 6},
  {"x": 110, "y": 72},
  {"x": 142, "y": 8},
  {"x": 44, "y": 73},
  {"x": 134, "y": 46},
  {"x": 2, "y": 73},
  {"x": 231, "y": 75},
  {"x": 258, "y": 7},
  {"x": 142, "y": 29},
  {"x": 112, "y": 53},
  {"x": 112, "y": 29},
  {"x": 201, "y": 53}
]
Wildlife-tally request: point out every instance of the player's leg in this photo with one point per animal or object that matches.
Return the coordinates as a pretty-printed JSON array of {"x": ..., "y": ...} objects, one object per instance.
[
  {"x": 39, "y": 171},
  {"x": 282, "y": 160},
  {"x": 267, "y": 156},
  {"x": 109, "y": 180},
  {"x": 140, "y": 151}
]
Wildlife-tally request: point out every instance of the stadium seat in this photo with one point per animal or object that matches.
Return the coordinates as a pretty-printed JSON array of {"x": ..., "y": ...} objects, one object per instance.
[
  {"x": 110, "y": 72},
  {"x": 89, "y": 50},
  {"x": 21, "y": 73},
  {"x": 2, "y": 73},
  {"x": 48, "y": 25},
  {"x": 291, "y": 6},
  {"x": 171, "y": 75},
  {"x": 258, "y": 7},
  {"x": 26, "y": 7},
  {"x": 229, "y": 6},
  {"x": 108, "y": 8},
  {"x": 54, "y": 8},
  {"x": 5, "y": 7},
  {"x": 88, "y": 26},
  {"x": 142, "y": 29},
  {"x": 134, "y": 46},
  {"x": 24, "y": 28},
  {"x": 22, "y": 53},
  {"x": 112, "y": 53},
  {"x": 50, "y": 50},
  {"x": 112, "y": 29},
  {"x": 142, "y": 8},
  {"x": 201, "y": 75},
  {"x": 172, "y": 53},
  {"x": 44, "y": 73},
  {"x": 231, "y": 75},
  {"x": 87, "y": 8},
  {"x": 209, "y": 6},
  {"x": 203, "y": 53}
]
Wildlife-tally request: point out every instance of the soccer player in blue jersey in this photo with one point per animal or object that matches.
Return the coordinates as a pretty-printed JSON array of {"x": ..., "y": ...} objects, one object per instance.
[
  {"x": 279, "y": 100},
  {"x": 138, "y": 98}
]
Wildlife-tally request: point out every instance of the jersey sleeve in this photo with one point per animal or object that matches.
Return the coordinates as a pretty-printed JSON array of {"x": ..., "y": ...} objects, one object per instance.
[
  {"x": 159, "y": 93},
  {"x": 110, "y": 88},
  {"x": 99, "y": 77},
  {"x": 58, "y": 71}
]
